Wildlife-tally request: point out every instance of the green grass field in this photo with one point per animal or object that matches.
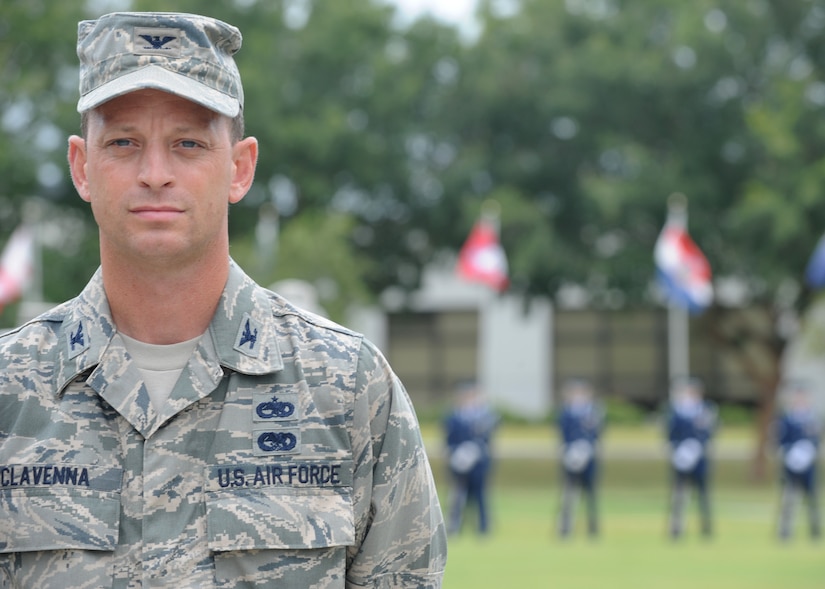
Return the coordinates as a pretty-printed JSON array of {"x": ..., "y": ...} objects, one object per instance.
[{"x": 633, "y": 551}]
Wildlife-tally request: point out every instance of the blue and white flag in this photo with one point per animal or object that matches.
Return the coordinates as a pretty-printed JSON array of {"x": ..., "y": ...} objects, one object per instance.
[
  {"x": 815, "y": 270},
  {"x": 683, "y": 270}
]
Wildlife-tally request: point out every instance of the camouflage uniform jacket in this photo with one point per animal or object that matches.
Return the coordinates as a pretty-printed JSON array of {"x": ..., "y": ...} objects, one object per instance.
[{"x": 288, "y": 455}]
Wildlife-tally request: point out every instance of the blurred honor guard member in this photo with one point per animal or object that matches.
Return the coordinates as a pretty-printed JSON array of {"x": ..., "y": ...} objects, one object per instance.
[
  {"x": 690, "y": 427},
  {"x": 176, "y": 424},
  {"x": 580, "y": 424},
  {"x": 798, "y": 431},
  {"x": 469, "y": 429}
]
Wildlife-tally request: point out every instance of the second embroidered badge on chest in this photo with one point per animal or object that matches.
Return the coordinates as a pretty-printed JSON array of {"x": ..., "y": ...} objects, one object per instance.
[{"x": 275, "y": 416}]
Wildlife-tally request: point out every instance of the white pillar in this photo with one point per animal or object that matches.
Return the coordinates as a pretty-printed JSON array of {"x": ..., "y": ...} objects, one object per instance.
[{"x": 515, "y": 355}]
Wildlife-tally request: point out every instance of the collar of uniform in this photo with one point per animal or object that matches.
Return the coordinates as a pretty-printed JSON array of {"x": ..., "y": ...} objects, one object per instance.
[
  {"x": 86, "y": 332},
  {"x": 242, "y": 331}
]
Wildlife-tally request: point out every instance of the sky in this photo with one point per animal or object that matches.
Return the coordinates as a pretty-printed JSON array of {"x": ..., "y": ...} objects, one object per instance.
[
  {"x": 452, "y": 11},
  {"x": 458, "y": 12}
]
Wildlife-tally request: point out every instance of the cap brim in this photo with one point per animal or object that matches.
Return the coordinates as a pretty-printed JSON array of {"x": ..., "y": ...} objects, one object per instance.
[{"x": 158, "y": 78}]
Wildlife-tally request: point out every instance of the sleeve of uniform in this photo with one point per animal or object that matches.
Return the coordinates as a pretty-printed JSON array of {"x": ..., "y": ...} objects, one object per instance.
[
  {"x": 400, "y": 536},
  {"x": 709, "y": 423},
  {"x": 672, "y": 427},
  {"x": 565, "y": 431},
  {"x": 781, "y": 433}
]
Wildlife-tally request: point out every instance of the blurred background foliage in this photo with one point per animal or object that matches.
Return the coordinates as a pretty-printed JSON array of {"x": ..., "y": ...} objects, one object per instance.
[{"x": 379, "y": 143}]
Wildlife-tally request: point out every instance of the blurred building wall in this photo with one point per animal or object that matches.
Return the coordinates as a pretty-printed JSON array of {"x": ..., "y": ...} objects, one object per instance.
[{"x": 451, "y": 330}]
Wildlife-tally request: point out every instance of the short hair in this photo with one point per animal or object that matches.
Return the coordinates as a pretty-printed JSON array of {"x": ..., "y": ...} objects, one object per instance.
[
  {"x": 236, "y": 126},
  {"x": 577, "y": 385},
  {"x": 681, "y": 383}
]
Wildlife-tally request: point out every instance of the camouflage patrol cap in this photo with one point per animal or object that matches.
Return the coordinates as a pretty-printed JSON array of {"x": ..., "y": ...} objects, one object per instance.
[{"x": 183, "y": 54}]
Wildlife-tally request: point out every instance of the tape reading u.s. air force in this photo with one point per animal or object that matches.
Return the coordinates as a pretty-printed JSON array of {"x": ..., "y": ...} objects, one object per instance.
[
  {"x": 101, "y": 478},
  {"x": 307, "y": 473}
]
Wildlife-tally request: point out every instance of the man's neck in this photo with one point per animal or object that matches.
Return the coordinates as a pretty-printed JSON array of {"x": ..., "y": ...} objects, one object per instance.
[{"x": 162, "y": 304}]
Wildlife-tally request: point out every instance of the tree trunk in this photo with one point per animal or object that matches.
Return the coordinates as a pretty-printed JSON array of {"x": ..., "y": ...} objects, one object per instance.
[{"x": 751, "y": 335}]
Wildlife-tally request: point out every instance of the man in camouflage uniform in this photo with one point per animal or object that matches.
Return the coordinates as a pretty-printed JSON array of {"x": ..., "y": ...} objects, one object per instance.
[{"x": 176, "y": 424}]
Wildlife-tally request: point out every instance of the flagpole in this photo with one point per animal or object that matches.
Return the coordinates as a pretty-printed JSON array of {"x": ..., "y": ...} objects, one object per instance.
[
  {"x": 491, "y": 213},
  {"x": 678, "y": 324},
  {"x": 678, "y": 342}
]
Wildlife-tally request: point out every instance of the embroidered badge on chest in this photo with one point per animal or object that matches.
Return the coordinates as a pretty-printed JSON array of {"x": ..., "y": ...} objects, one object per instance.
[
  {"x": 274, "y": 427},
  {"x": 277, "y": 442},
  {"x": 275, "y": 408}
]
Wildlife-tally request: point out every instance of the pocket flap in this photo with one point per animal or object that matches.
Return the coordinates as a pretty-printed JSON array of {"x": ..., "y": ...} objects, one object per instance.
[
  {"x": 56, "y": 519},
  {"x": 247, "y": 519}
]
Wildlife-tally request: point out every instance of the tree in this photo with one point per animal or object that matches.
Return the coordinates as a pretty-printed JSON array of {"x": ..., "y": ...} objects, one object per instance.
[
  {"x": 590, "y": 114},
  {"x": 38, "y": 91},
  {"x": 578, "y": 117},
  {"x": 347, "y": 111},
  {"x": 337, "y": 97}
]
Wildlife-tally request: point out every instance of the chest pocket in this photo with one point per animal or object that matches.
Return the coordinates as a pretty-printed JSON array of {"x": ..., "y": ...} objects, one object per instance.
[
  {"x": 56, "y": 534},
  {"x": 280, "y": 536}
]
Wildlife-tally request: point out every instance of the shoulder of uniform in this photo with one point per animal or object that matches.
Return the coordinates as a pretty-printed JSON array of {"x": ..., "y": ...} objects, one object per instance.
[
  {"x": 37, "y": 339},
  {"x": 285, "y": 310},
  {"x": 49, "y": 321}
]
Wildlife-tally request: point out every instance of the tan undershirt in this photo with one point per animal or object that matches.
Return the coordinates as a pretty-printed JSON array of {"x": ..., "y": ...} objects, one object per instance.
[{"x": 160, "y": 365}]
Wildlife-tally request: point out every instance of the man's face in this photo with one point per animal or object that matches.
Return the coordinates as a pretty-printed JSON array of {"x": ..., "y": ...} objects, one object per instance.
[{"x": 160, "y": 172}]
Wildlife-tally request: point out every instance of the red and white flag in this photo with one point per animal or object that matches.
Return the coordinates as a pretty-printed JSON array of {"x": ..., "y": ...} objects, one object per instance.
[
  {"x": 482, "y": 259},
  {"x": 16, "y": 264}
]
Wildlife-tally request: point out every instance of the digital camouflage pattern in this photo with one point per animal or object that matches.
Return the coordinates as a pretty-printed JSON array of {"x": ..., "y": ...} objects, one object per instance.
[
  {"x": 288, "y": 455},
  {"x": 184, "y": 54}
]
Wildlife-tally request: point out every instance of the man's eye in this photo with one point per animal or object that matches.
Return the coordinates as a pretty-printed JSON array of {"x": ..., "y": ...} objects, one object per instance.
[
  {"x": 121, "y": 143},
  {"x": 188, "y": 144}
]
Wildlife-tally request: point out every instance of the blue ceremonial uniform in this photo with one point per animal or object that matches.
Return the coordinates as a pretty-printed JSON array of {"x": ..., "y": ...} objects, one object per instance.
[
  {"x": 798, "y": 435},
  {"x": 580, "y": 425},
  {"x": 469, "y": 429},
  {"x": 690, "y": 428}
]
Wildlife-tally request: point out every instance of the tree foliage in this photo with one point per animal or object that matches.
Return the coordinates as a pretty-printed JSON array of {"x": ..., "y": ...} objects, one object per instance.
[{"x": 579, "y": 117}]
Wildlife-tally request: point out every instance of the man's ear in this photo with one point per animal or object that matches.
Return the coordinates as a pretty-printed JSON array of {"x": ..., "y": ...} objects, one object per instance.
[
  {"x": 77, "y": 166},
  {"x": 245, "y": 159}
]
